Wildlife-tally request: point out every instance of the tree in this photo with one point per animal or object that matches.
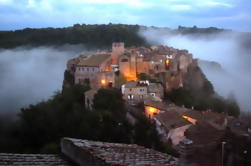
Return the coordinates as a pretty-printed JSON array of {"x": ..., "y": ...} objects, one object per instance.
[
  {"x": 110, "y": 99},
  {"x": 181, "y": 96}
]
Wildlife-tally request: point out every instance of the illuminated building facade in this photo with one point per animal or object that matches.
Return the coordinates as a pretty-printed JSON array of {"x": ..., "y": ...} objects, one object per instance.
[
  {"x": 130, "y": 62},
  {"x": 135, "y": 92}
]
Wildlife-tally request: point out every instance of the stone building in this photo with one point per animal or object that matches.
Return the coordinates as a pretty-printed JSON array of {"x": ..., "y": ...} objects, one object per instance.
[
  {"x": 171, "y": 126},
  {"x": 88, "y": 70},
  {"x": 135, "y": 92},
  {"x": 160, "y": 62},
  {"x": 118, "y": 49}
]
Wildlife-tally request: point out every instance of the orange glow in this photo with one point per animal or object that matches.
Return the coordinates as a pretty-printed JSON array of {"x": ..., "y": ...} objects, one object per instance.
[
  {"x": 167, "y": 62},
  {"x": 193, "y": 121},
  {"x": 107, "y": 68},
  {"x": 130, "y": 77},
  {"x": 150, "y": 111},
  {"x": 103, "y": 82}
]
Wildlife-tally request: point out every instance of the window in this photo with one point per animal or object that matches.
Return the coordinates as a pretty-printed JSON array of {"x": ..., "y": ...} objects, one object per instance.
[
  {"x": 124, "y": 60},
  {"x": 130, "y": 97}
]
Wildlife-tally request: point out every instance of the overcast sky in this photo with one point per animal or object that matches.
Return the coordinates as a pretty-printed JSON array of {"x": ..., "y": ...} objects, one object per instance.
[{"x": 231, "y": 14}]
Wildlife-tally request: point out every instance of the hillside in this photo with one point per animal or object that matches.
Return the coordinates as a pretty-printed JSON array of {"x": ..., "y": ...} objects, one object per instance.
[{"x": 92, "y": 36}]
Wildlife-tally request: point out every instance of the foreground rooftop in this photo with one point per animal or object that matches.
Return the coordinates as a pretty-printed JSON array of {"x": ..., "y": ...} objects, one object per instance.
[
  {"x": 101, "y": 153},
  {"x": 8, "y": 159},
  {"x": 92, "y": 153}
]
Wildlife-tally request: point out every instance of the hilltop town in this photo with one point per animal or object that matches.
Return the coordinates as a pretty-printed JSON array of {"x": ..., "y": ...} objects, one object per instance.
[
  {"x": 104, "y": 68},
  {"x": 143, "y": 75},
  {"x": 130, "y": 106}
]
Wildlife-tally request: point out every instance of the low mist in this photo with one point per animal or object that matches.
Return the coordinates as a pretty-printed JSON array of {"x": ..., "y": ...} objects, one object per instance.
[
  {"x": 30, "y": 75},
  {"x": 226, "y": 48}
]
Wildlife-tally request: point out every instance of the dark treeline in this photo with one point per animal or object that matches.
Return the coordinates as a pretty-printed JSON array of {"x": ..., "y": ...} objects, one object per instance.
[
  {"x": 196, "y": 30},
  {"x": 92, "y": 36},
  {"x": 40, "y": 127}
]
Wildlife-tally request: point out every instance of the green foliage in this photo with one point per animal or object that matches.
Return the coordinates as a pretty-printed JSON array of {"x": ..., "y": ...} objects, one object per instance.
[
  {"x": 180, "y": 96},
  {"x": 68, "y": 78},
  {"x": 207, "y": 89},
  {"x": 195, "y": 30},
  {"x": 40, "y": 127},
  {"x": 145, "y": 134},
  {"x": 92, "y": 36},
  {"x": 110, "y": 99},
  {"x": 233, "y": 108},
  {"x": 46, "y": 122}
]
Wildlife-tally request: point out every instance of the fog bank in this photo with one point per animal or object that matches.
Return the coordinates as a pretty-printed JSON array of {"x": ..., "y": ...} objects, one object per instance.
[
  {"x": 225, "y": 48},
  {"x": 30, "y": 75}
]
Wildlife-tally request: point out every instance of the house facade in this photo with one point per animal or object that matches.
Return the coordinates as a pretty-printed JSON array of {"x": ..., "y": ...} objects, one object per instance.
[{"x": 135, "y": 92}]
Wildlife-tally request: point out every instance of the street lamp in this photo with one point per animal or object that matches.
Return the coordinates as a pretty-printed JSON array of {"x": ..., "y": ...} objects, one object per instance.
[
  {"x": 245, "y": 152},
  {"x": 222, "y": 154}
]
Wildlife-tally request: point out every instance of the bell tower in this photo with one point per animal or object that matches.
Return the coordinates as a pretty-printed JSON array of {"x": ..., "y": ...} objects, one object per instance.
[{"x": 118, "y": 49}]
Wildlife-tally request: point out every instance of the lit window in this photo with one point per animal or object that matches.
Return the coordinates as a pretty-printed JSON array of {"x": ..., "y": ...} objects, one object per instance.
[
  {"x": 167, "y": 62},
  {"x": 130, "y": 97},
  {"x": 103, "y": 81}
]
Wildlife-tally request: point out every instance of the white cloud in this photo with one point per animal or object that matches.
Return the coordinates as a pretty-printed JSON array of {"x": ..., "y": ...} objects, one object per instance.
[
  {"x": 180, "y": 7},
  {"x": 31, "y": 3},
  {"x": 5, "y": 2},
  {"x": 136, "y": 3},
  {"x": 217, "y": 3}
]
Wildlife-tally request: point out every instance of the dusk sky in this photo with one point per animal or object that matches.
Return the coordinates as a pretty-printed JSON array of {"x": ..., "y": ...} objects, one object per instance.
[{"x": 230, "y": 14}]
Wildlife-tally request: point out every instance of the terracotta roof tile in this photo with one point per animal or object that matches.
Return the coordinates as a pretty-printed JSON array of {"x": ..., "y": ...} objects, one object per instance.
[
  {"x": 94, "y": 60},
  {"x": 121, "y": 154},
  {"x": 9, "y": 159}
]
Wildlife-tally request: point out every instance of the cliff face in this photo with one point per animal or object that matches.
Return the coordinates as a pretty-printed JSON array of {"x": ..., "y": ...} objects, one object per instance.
[
  {"x": 193, "y": 80},
  {"x": 196, "y": 81}
]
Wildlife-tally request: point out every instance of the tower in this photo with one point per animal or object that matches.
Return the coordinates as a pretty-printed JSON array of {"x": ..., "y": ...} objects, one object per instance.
[
  {"x": 118, "y": 49},
  {"x": 133, "y": 66}
]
